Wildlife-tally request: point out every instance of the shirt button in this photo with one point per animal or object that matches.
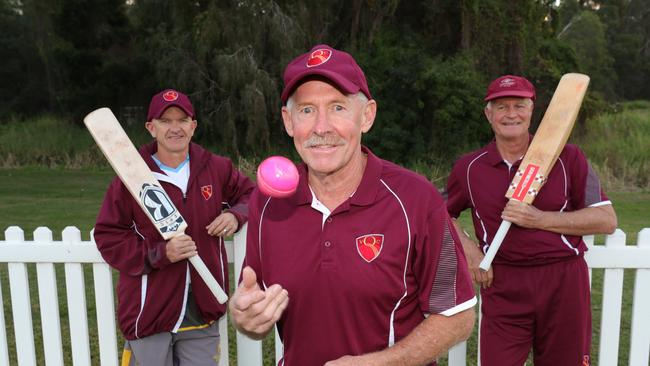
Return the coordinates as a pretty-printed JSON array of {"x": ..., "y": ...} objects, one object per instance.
[
  {"x": 328, "y": 244},
  {"x": 329, "y": 219}
]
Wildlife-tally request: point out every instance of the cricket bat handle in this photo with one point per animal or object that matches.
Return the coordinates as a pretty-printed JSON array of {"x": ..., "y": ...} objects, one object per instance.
[
  {"x": 496, "y": 243},
  {"x": 208, "y": 278}
]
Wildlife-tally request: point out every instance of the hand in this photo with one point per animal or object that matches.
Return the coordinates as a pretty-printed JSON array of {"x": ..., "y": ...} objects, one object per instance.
[
  {"x": 253, "y": 310},
  {"x": 522, "y": 214},
  {"x": 180, "y": 247},
  {"x": 474, "y": 257},
  {"x": 224, "y": 225}
]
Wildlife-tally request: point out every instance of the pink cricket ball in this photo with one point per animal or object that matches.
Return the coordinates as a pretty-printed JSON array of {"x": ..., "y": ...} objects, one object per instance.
[{"x": 277, "y": 177}]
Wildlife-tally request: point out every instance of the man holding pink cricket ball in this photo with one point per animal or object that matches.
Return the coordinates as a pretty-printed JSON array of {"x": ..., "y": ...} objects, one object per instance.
[{"x": 361, "y": 264}]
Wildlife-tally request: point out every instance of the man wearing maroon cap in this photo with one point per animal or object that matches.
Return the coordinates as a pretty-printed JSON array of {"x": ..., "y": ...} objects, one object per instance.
[
  {"x": 166, "y": 312},
  {"x": 536, "y": 294},
  {"x": 361, "y": 266}
]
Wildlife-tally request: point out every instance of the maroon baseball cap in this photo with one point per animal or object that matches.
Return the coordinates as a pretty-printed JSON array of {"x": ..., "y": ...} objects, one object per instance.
[
  {"x": 510, "y": 86},
  {"x": 337, "y": 66},
  {"x": 169, "y": 98}
]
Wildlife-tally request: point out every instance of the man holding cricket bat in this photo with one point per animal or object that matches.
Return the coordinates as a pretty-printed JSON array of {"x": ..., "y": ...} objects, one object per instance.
[
  {"x": 165, "y": 311},
  {"x": 361, "y": 265},
  {"x": 536, "y": 294}
]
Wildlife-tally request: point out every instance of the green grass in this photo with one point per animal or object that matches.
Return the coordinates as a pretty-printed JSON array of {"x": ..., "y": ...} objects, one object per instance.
[
  {"x": 618, "y": 145},
  {"x": 57, "y": 198},
  {"x": 33, "y": 197}
]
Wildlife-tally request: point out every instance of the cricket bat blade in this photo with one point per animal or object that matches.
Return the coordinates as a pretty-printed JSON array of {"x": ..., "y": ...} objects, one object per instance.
[{"x": 143, "y": 186}]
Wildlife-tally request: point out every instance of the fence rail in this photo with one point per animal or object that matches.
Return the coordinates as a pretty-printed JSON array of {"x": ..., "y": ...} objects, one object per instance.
[{"x": 73, "y": 253}]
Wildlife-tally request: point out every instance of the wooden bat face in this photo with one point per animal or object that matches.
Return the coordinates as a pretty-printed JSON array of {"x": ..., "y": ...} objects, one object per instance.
[
  {"x": 134, "y": 172},
  {"x": 550, "y": 138}
]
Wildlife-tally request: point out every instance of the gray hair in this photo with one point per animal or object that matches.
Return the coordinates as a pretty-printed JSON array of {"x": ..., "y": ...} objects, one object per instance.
[{"x": 528, "y": 101}]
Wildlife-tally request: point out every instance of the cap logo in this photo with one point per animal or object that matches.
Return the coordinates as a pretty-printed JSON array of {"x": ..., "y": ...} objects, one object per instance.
[
  {"x": 506, "y": 83},
  {"x": 369, "y": 246},
  {"x": 170, "y": 96},
  {"x": 319, "y": 57}
]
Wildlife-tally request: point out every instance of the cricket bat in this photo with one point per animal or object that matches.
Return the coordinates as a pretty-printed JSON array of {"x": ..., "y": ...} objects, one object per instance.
[
  {"x": 548, "y": 142},
  {"x": 144, "y": 187}
]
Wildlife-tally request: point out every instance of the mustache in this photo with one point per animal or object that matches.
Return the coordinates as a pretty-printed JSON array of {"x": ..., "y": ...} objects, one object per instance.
[{"x": 316, "y": 140}]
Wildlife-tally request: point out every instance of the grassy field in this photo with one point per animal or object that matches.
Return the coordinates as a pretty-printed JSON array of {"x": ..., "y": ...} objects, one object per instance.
[{"x": 57, "y": 198}]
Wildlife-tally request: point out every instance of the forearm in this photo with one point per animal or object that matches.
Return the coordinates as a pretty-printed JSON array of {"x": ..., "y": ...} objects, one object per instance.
[
  {"x": 587, "y": 221},
  {"x": 428, "y": 341}
]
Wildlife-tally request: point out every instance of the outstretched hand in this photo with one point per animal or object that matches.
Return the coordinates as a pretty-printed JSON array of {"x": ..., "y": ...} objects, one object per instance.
[{"x": 255, "y": 311}]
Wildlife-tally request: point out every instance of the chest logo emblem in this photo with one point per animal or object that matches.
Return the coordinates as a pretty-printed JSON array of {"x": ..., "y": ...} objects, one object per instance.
[
  {"x": 369, "y": 246},
  {"x": 206, "y": 191}
]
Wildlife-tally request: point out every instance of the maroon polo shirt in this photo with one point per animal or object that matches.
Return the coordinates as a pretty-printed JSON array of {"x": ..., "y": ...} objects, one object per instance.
[
  {"x": 362, "y": 277},
  {"x": 479, "y": 181}
]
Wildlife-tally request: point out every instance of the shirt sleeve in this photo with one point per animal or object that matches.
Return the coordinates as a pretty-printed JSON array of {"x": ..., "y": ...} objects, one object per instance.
[
  {"x": 456, "y": 193},
  {"x": 442, "y": 268},
  {"x": 118, "y": 239},
  {"x": 237, "y": 191},
  {"x": 586, "y": 189}
]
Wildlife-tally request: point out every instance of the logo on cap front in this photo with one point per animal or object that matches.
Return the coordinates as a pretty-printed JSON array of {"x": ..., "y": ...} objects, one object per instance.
[
  {"x": 319, "y": 57},
  {"x": 506, "y": 83},
  {"x": 369, "y": 246},
  {"x": 170, "y": 95}
]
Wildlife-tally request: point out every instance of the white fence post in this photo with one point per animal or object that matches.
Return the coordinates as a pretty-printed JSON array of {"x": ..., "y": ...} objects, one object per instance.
[
  {"x": 249, "y": 352},
  {"x": 640, "y": 332},
  {"x": 21, "y": 304},
  {"x": 105, "y": 306},
  {"x": 49, "y": 303},
  {"x": 610, "y": 323},
  {"x": 4, "y": 349},
  {"x": 76, "y": 290}
]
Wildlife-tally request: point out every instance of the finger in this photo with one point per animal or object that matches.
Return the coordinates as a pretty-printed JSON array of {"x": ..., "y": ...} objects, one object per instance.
[
  {"x": 490, "y": 276},
  {"x": 265, "y": 313},
  {"x": 249, "y": 278},
  {"x": 280, "y": 303},
  {"x": 243, "y": 300}
]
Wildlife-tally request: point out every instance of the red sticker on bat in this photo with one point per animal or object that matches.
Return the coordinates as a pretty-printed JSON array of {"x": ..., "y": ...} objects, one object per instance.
[{"x": 526, "y": 180}]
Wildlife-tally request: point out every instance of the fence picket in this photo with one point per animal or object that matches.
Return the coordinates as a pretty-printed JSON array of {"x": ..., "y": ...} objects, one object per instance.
[
  {"x": 610, "y": 324},
  {"x": 249, "y": 352},
  {"x": 21, "y": 304},
  {"x": 76, "y": 291},
  {"x": 49, "y": 303},
  {"x": 640, "y": 332},
  {"x": 4, "y": 347}
]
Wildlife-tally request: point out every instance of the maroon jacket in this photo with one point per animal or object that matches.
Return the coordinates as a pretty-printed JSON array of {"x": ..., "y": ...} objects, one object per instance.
[{"x": 151, "y": 290}]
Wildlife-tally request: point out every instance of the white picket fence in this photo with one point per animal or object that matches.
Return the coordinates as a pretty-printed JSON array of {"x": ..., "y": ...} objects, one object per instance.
[{"x": 74, "y": 253}]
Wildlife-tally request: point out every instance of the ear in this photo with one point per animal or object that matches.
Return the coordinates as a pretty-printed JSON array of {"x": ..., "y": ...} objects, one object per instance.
[
  {"x": 151, "y": 128},
  {"x": 488, "y": 114},
  {"x": 286, "y": 118},
  {"x": 369, "y": 114},
  {"x": 194, "y": 124}
]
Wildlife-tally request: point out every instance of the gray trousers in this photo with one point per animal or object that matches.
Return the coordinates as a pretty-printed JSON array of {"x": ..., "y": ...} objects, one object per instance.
[{"x": 193, "y": 347}]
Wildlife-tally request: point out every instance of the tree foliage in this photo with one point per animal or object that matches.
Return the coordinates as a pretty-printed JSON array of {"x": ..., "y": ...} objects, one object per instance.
[{"x": 427, "y": 62}]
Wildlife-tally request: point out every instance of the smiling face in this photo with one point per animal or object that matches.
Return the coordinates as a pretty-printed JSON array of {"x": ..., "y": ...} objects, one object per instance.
[
  {"x": 326, "y": 126},
  {"x": 173, "y": 132},
  {"x": 510, "y": 117}
]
